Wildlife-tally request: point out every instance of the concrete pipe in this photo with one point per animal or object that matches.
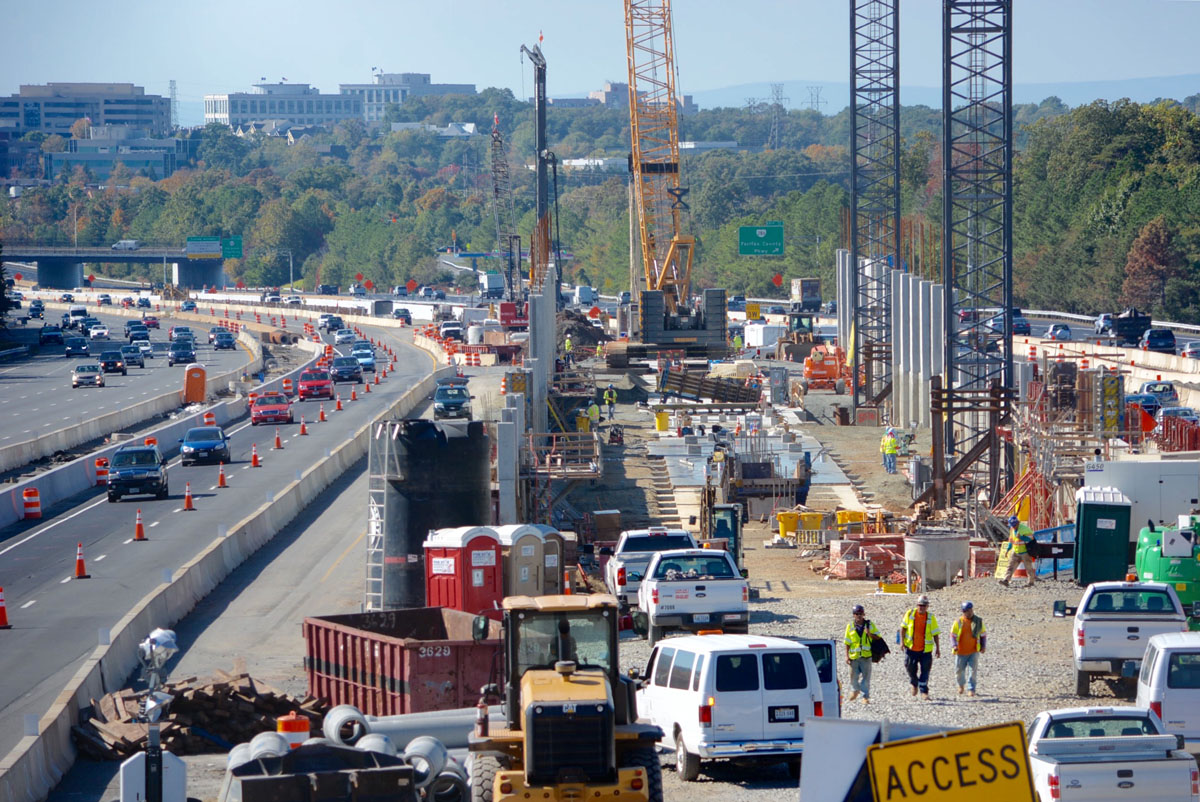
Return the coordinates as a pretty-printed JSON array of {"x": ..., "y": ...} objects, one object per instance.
[
  {"x": 268, "y": 744},
  {"x": 376, "y": 742},
  {"x": 428, "y": 757}
]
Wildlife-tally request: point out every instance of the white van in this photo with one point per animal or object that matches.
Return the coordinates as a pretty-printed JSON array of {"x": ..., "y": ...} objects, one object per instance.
[
  {"x": 126, "y": 245},
  {"x": 734, "y": 696},
  {"x": 1169, "y": 684},
  {"x": 76, "y": 313}
]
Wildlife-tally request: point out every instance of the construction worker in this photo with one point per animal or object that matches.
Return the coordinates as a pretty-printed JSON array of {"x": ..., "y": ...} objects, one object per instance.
[
  {"x": 567, "y": 347},
  {"x": 610, "y": 400},
  {"x": 737, "y": 342},
  {"x": 1019, "y": 538},
  {"x": 859, "y": 634},
  {"x": 969, "y": 638},
  {"x": 889, "y": 446},
  {"x": 593, "y": 413},
  {"x": 600, "y": 350},
  {"x": 921, "y": 637}
]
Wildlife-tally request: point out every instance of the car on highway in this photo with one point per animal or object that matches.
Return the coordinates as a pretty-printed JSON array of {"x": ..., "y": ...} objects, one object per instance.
[
  {"x": 112, "y": 362},
  {"x": 86, "y": 374},
  {"x": 98, "y": 332},
  {"x": 104, "y": 299},
  {"x": 50, "y": 334},
  {"x": 126, "y": 245},
  {"x": 37, "y": 309},
  {"x": 358, "y": 290},
  {"x": 345, "y": 369},
  {"x": 294, "y": 300},
  {"x": 187, "y": 306},
  {"x": 139, "y": 336},
  {"x": 1191, "y": 350},
  {"x": 1160, "y": 341},
  {"x": 315, "y": 384},
  {"x": 365, "y": 357},
  {"x": 451, "y": 401},
  {"x": 403, "y": 315},
  {"x": 1021, "y": 327},
  {"x": 343, "y": 337},
  {"x": 776, "y": 310},
  {"x": 66, "y": 298},
  {"x": 1147, "y": 401},
  {"x": 150, "y": 321},
  {"x": 1165, "y": 392},
  {"x": 181, "y": 353},
  {"x": 1059, "y": 331},
  {"x": 968, "y": 315},
  {"x": 271, "y": 408},
  {"x": 201, "y": 443},
  {"x": 212, "y": 334},
  {"x": 224, "y": 341},
  {"x": 133, "y": 325},
  {"x": 179, "y": 331},
  {"x": 137, "y": 470},
  {"x": 142, "y": 303},
  {"x": 400, "y": 291},
  {"x": 270, "y": 299},
  {"x": 1103, "y": 323},
  {"x": 1185, "y": 413},
  {"x": 133, "y": 356},
  {"x": 146, "y": 348},
  {"x": 76, "y": 346},
  {"x": 323, "y": 320}
]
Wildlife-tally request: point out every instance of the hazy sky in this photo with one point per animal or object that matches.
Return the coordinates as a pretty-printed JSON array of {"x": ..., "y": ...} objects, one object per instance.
[{"x": 223, "y": 46}]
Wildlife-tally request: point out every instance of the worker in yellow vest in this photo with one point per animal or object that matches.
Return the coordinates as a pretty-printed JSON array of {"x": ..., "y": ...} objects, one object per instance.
[
  {"x": 921, "y": 637},
  {"x": 859, "y": 634},
  {"x": 969, "y": 639},
  {"x": 567, "y": 348},
  {"x": 610, "y": 400},
  {"x": 1019, "y": 538},
  {"x": 889, "y": 446}
]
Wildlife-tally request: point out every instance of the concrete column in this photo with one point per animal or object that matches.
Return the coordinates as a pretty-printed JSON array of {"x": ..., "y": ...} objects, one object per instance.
[
  {"x": 915, "y": 333},
  {"x": 900, "y": 351},
  {"x": 937, "y": 342},
  {"x": 925, "y": 373},
  {"x": 845, "y": 302},
  {"x": 59, "y": 274},
  {"x": 507, "y": 455}
]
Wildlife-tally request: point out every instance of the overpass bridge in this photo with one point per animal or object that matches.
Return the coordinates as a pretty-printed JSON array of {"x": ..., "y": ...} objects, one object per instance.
[{"x": 63, "y": 267}]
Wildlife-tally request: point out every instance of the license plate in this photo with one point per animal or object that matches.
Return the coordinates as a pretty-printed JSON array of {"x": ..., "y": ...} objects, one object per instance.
[
  {"x": 700, "y": 618},
  {"x": 204, "y": 453},
  {"x": 778, "y": 715},
  {"x": 135, "y": 490}
]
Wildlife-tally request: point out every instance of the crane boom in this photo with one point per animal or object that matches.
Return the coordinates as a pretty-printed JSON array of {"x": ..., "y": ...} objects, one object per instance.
[
  {"x": 508, "y": 241},
  {"x": 654, "y": 159}
]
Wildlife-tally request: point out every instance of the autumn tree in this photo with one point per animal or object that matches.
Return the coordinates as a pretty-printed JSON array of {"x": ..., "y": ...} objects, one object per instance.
[
  {"x": 1153, "y": 261},
  {"x": 80, "y": 128}
]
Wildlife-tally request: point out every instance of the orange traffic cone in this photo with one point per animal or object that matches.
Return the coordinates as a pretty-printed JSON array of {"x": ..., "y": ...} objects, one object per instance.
[
  {"x": 139, "y": 531},
  {"x": 278, "y": 442},
  {"x": 338, "y": 408},
  {"x": 3, "y": 612},
  {"x": 188, "y": 506},
  {"x": 367, "y": 386},
  {"x": 254, "y": 463},
  {"x": 321, "y": 417},
  {"x": 221, "y": 475},
  {"x": 80, "y": 571},
  {"x": 303, "y": 427},
  {"x": 376, "y": 379},
  {"x": 353, "y": 393}
]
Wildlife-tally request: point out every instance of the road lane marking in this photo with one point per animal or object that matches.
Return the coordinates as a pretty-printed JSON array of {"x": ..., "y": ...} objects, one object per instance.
[
  {"x": 153, "y": 524},
  {"x": 51, "y": 525},
  {"x": 65, "y": 581},
  {"x": 130, "y": 540},
  {"x": 28, "y": 604},
  {"x": 341, "y": 557},
  {"x": 101, "y": 557}
]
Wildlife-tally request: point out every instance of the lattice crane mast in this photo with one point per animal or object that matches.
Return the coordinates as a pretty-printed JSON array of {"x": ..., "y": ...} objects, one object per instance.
[
  {"x": 508, "y": 241},
  {"x": 654, "y": 160}
]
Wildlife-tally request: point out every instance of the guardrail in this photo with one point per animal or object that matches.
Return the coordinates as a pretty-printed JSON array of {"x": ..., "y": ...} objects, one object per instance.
[{"x": 39, "y": 761}]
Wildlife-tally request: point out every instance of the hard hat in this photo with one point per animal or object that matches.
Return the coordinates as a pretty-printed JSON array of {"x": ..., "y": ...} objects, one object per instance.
[
  {"x": 610, "y": 387},
  {"x": 967, "y": 606},
  {"x": 922, "y": 599},
  {"x": 858, "y": 608},
  {"x": 891, "y": 430},
  {"x": 1014, "y": 520}
]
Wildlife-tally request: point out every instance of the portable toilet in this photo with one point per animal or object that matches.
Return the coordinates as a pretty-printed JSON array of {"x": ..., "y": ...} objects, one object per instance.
[
  {"x": 523, "y": 548},
  {"x": 464, "y": 570},
  {"x": 1102, "y": 547},
  {"x": 552, "y": 559}
]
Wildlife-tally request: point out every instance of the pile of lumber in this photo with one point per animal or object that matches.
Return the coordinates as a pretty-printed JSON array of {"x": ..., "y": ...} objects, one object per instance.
[{"x": 211, "y": 714}]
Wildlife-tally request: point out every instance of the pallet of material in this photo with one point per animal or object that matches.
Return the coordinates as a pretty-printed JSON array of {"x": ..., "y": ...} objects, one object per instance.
[{"x": 211, "y": 714}]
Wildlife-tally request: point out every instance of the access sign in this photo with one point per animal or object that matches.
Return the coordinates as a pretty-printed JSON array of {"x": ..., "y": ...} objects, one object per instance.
[
  {"x": 203, "y": 247},
  {"x": 753, "y": 311},
  {"x": 957, "y": 766},
  {"x": 764, "y": 240},
  {"x": 231, "y": 247}
]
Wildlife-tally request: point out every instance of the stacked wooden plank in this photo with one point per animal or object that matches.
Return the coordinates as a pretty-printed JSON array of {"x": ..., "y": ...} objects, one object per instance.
[{"x": 212, "y": 714}]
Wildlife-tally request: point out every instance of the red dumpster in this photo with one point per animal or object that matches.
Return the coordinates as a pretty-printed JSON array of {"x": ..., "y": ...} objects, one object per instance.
[
  {"x": 464, "y": 570},
  {"x": 400, "y": 661}
]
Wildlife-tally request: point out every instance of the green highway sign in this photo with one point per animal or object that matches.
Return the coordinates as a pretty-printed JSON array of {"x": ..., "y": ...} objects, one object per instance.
[
  {"x": 203, "y": 247},
  {"x": 765, "y": 240},
  {"x": 231, "y": 248}
]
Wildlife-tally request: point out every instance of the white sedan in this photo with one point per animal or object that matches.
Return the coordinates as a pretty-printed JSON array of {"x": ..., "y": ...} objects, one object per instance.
[
  {"x": 344, "y": 336},
  {"x": 98, "y": 332}
]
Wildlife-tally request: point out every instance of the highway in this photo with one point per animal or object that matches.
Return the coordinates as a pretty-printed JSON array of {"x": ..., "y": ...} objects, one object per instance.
[
  {"x": 32, "y": 388},
  {"x": 56, "y": 619}
]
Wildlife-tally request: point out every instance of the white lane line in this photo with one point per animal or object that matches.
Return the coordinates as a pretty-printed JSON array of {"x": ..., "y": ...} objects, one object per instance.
[
  {"x": 101, "y": 557},
  {"x": 51, "y": 525},
  {"x": 28, "y": 604},
  {"x": 178, "y": 510},
  {"x": 154, "y": 524},
  {"x": 65, "y": 581},
  {"x": 130, "y": 540}
]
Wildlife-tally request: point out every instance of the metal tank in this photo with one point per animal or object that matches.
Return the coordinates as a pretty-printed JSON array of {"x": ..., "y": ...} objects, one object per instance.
[{"x": 936, "y": 556}]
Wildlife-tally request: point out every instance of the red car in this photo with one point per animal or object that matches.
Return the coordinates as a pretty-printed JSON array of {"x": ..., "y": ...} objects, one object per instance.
[
  {"x": 151, "y": 321},
  {"x": 315, "y": 384},
  {"x": 271, "y": 408}
]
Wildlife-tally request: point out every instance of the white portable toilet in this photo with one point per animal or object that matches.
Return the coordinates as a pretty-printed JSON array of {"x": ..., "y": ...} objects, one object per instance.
[
  {"x": 523, "y": 547},
  {"x": 552, "y": 559}
]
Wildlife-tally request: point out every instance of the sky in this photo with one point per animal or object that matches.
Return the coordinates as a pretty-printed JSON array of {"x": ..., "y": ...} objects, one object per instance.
[{"x": 224, "y": 46}]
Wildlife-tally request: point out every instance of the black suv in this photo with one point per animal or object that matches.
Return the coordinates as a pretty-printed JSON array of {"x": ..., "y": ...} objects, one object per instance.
[
  {"x": 50, "y": 334},
  {"x": 224, "y": 341},
  {"x": 182, "y": 353},
  {"x": 113, "y": 362},
  {"x": 345, "y": 369},
  {"x": 1160, "y": 340},
  {"x": 137, "y": 470}
]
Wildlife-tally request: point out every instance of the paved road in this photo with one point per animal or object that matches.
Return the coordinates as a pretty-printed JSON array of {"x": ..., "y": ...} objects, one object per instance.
[
  {"x": 32, "y": 389},
  {"x": 56, "y": 619}
]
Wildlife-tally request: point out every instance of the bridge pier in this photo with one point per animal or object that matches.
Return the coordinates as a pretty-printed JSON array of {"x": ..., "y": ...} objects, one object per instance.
[
  {"x": 194, "y": 274},
  {"x": 59, "y": 274}
]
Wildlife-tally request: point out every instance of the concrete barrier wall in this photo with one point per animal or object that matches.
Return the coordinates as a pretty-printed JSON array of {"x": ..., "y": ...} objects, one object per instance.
[{"x": 37, "y": 763}]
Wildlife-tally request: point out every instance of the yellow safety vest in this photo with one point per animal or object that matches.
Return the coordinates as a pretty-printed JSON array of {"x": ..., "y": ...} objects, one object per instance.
[
  {"x": 593, "y": 412},
  {"x": 567, "y": 345},
  {"x": 860, "y": 645},
  {"x": 889, "y": 445},
  {"x": 610, "y": 396},
  {"x": 931, "y": 628},
  {"x": 1018, "y": 538}
]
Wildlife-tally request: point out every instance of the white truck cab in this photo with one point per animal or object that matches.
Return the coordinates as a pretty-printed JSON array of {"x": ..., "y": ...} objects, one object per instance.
[
  {"x": 624, "y": 569},
  {"x": 733, "y": 696},
  {"x": 1169, "y": 684}
]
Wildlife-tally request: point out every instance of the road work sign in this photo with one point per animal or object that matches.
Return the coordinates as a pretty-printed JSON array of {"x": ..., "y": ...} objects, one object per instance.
[{"x": 957, "y": 766}]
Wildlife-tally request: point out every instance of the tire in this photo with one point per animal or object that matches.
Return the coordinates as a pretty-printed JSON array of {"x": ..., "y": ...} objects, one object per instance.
[
  {"x": 654, "y": 635},
  {"x": 687, "y": 764},
  {"x": 483, "y": 777},
  {"x": 646, "y": 757},
  {"x": 839, "y": 387},
  {"x": 793, "y": 768},
  {"x": 1083, "y": 684},
  {"x": 164, "y": 493},
  {"x": 113, "y": 499}
]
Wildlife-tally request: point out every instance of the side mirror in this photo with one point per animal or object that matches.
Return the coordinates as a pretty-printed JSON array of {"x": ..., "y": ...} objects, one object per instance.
[
  {"x": 635, "y": 673},
  {"x": 606, "y": 551},
  {"x": 1061, "y": 610},
  {"x": 479, "y": 628},
  {"x": 1196, "y": 609}
]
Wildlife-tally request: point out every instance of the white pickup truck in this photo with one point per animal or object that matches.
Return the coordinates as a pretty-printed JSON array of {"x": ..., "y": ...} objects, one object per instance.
[
  {"x": 693, "y": 589},
  {"x": 1113, "y": 623},
  {"x": 1094, "y": 754},
  {"x": 624, "y": 569}
]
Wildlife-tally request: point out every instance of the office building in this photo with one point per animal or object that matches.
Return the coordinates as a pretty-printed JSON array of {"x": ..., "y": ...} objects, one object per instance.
[
  {"x": 397, "y": 87},
  {"x": 297, "y": 103},
  {"x": 107, "y": 146},
  {"x": 54, "y": 108}
]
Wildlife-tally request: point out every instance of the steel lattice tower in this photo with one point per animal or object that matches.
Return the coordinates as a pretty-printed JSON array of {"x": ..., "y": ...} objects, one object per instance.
[
  {"x": 875, "y": 190},
  {"x": 977, "y": 218}
]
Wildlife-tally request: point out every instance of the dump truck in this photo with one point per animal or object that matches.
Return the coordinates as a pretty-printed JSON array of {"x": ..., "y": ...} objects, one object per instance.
[
  {"x": 571, "y": 728},
  {"x": 806, "y": 292},
  {"x": 1129, "y": 326}
]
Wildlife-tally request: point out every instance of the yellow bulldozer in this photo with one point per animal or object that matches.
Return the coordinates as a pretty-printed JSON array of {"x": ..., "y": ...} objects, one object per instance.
[
  {"x": 801, "y": 336},
  {"x": 570, "y": 731}
]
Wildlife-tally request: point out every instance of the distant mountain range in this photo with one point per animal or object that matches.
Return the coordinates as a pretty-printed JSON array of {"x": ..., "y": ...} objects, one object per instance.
[{"x": 836, "y": 96}]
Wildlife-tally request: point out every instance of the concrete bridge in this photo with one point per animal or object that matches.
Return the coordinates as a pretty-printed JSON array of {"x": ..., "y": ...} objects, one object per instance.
[{"x": 64, "y": 268}]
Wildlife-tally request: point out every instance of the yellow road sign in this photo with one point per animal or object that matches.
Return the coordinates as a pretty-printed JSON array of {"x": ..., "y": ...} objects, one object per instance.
[
  {"x": 752, "y": 311},
  {"x": 958, "y": 766}
]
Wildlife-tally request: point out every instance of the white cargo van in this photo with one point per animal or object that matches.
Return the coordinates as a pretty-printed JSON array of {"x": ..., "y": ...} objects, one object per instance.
[
  {"x": 1169, "y": 684},
  {"x": 75, "y": 314},
  {"x": 126, "y": 245},
  {"x": 732, "y": 696}
]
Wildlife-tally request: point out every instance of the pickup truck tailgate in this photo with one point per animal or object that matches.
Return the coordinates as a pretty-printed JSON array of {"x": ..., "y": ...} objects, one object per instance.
[
  {"x": 698, "y": 599},
  {"x": 1112, "y": 639},
  {"x": 1134, "y": 767}
]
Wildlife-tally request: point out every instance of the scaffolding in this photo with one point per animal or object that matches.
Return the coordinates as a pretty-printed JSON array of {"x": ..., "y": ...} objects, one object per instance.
[{"x": 553, "y": 463}]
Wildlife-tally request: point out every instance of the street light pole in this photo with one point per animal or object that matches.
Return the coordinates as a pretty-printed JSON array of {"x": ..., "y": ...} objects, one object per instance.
[{"x": 291, "y": 280}]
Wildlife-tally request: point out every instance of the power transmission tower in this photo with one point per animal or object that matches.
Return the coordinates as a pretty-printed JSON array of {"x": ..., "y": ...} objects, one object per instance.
[
  {"x": 174, "y": 107},
  {"x": 776, "y": 107},
  {"x": 815, "y": 101}
]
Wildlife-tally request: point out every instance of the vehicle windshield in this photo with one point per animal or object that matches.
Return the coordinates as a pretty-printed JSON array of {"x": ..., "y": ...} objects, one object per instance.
[
  {"x": 1136, "y": 602},
  {"x": 657, "y": 543},
  {"x": 452, "y": 394},
  {"x": 111, "y": 355},
  {"x": 182, "y": 345},
  {"x": 272, "y": 398},
  {"x": 314, "y": 377},
  {"x": 76, "y": 341},
  {"x": 695, "y": 567},
  {"x": 1155, "y": 389},
  {"x": 345, "y": 362},
  {"x": 1177, "y": 412},
  {"x": 87, "y": 368},
  {"x": 1101, "y": 727},
  {"x": 134, "y": 459},
  {"x": 203, "y": 434},
  {"x": 586, "y": 635}
]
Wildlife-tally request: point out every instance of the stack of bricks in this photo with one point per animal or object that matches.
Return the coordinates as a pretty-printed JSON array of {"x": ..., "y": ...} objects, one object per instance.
[
  {"x": 841, "y": 549},
  {"x": 881, "y": 561},
  {"x": 850, "y": 569},
  {"x": 983, "y": 562}
]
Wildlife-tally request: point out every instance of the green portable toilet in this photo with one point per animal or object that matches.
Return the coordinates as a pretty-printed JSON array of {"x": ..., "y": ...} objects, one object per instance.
[{"x": 1102, "y": 546}]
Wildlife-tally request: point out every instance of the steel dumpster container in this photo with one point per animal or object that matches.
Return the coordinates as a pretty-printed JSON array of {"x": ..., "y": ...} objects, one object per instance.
[{"x": 399, "y": 661}]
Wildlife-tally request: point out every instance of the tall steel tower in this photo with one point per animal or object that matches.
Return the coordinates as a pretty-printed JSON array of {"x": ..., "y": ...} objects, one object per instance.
[{"x": 875, "y": 190}]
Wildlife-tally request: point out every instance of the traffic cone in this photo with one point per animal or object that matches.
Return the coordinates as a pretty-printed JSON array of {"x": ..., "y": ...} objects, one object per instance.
[
  {"x": 353, "y": 394},
  {"x": 80, "y": 571},
  {"x": 221, "y": 476},
  {"x": 188, "y": 506},
  {"x": 339, "y": 403},
  {"x": 367, "y": 386},
  {"x": 321, "y": 416},
  {"x": 3, "y": 612},
  {"x": 278, "y": 442},
  {"x": 376, "y": 379},
  {"x": 139, "y": 531},
  {"x": 254, "y": 463},
  {"x": 303, "y": 427}
]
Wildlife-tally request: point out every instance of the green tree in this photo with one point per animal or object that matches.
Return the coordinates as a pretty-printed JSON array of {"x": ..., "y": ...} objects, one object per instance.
[{"x": 220, "y": 148}]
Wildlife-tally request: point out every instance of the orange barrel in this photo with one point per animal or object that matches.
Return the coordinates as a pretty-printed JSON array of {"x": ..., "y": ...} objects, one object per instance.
[
  {"x": 294, "y": 728},
  {"x": 33, "y": 502},
  {"x": 150, "y": 441},
  {"x": 102, "y": 470}
]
